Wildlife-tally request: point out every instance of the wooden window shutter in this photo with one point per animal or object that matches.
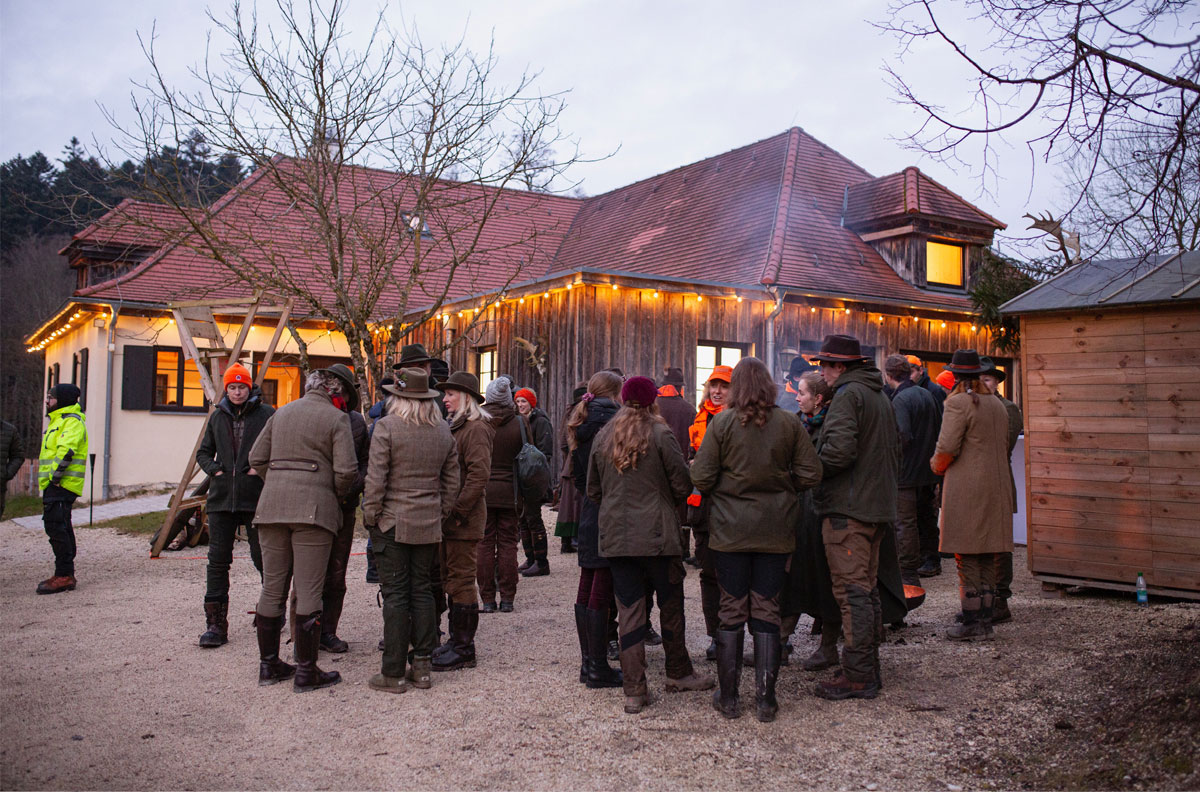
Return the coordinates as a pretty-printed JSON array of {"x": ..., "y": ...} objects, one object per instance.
[{"x": 137, "y": 378}]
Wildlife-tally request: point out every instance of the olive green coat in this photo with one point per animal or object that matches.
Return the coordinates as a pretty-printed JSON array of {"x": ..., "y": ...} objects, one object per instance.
[
  {"x": 639, "y": 508},
  {"x": 977, "y": 489},
  {"x": 753, "y": 476}
]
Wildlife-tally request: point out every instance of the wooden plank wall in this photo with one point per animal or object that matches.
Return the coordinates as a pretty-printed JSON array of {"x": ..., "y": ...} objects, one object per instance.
[{"x": 1112, "y": 428}]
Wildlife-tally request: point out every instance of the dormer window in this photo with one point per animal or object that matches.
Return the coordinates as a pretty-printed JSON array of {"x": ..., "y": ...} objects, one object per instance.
[
  {"x": 944, "y": 264},
  {"x": 413, "y": 221}
]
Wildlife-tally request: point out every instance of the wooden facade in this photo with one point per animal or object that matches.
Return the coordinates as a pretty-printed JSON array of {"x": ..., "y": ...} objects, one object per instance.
[{"x": 1112, "y": 428}]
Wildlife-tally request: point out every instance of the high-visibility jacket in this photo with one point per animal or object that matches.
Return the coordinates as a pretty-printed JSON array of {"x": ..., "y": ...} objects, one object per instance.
[
  {"x": 696, "y": 436},
  {"x": 64, "y": 450}
]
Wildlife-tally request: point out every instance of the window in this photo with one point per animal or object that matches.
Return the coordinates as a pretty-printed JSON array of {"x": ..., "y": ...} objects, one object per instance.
[
  {"x": 413, "y": 221},
  {"x": 709, "y": 355},
  {"x": 943, "y": 264},
  {"x": 485, "y": 366},
  {"x": 176, "y": 382},
  {"x": 79, "y": 375},
  {"x": 52, "y": 377}
]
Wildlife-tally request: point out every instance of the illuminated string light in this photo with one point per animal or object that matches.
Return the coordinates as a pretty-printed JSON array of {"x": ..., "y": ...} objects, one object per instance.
[{"x": 699, "y": 298}]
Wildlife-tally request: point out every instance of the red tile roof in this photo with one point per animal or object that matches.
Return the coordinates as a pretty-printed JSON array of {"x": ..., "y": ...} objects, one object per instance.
[
  {"x": 766, "y": 213},
  {"x": 910, "y": 192},
  {"x": 132, "y": 224}
]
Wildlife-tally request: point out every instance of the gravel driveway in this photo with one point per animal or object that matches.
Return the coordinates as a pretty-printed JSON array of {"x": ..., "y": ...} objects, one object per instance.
[{"x": 105, "y": 688}]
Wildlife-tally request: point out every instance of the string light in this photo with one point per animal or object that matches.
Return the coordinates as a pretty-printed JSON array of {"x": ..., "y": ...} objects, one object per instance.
[
  {"x": 699, "y": 298},
  {"x": 656, "y": 295},
  {"x": 812, "y": 310},
  {"x": 943, "y": 324},
  {"x": 847, "y": 310},
  {"x": 521, "y": 301},
  {"x": 546, "y": 295},
  {"x": 614, "y": 287},
  {"x": 973, "y": 328},
  {"x": 739, "y": 298},
  {"x": 568, "y": 287}
]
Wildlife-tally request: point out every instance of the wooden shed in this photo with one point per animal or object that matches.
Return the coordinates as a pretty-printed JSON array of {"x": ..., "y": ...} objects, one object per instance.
[{"x": 1110, "y": 369}]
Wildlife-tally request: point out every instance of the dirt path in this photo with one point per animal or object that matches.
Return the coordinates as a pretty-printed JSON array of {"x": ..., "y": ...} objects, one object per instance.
[{"x": 105, "y": 689}]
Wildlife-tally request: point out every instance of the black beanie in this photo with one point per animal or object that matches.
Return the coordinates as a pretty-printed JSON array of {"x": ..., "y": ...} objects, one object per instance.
[{"x": 65, "y": 394}]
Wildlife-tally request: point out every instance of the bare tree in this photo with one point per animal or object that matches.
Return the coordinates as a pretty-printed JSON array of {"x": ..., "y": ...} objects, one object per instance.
[
  {"x": 1071, "y": 76},
  {"x": 376, "y": 174}
]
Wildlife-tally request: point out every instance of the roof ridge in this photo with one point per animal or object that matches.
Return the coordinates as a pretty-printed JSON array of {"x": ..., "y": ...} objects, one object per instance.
[
  {"x": 922, "y": 174},
  {"x": 782, "y": 206}
]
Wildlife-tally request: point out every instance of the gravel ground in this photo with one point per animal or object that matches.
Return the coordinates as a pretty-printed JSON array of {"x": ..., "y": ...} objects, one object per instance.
[{"x": 105, "y": 688}]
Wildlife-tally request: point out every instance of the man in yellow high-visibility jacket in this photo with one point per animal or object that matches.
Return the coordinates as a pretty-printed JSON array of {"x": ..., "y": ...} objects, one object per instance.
[{"x": 60, "y": 478}]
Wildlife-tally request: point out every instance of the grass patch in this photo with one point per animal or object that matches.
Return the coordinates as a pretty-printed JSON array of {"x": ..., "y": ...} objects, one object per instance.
[
  {"x": 135, "y": 525},
  {"x": 22, "y": 506}
]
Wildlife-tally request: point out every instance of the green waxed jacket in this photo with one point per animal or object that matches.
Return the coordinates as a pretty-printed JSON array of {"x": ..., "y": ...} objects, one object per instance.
[
  {"x": 63, "y": 459},
  {"x": 859, "y": 447},
  {"x": 753, "y": 475}
]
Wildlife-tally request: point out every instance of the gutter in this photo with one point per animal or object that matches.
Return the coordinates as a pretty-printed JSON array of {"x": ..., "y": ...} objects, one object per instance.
[
  {"x": 779, "y": 296},
  {"x": 110, "y": 352}
]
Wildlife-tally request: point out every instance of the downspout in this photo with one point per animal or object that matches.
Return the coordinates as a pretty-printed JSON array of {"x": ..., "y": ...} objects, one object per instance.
[
  {"x": 778, "y": 295},
  {"x": 110, "y": 351}
]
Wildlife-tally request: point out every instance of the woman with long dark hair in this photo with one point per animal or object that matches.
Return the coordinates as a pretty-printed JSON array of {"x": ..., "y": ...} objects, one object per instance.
[
  {"x": 597, "y": 407},
  {"x": 638, "y": 476},
  {"x": 753, "y": 463}
]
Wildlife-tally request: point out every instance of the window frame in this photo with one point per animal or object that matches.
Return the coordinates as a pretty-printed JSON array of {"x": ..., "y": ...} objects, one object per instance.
[
  {"x": 962, "y": 265},
  {"x": 478, "y": 354},
  {"x": 180, "y": 367},
  {"x": 745, "y": 350}
]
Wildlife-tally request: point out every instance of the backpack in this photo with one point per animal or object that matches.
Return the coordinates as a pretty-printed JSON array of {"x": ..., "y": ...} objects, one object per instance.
[{"x": 531, "y": 470}]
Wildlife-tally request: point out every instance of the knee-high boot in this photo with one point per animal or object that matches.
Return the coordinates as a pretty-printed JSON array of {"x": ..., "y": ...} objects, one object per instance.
[
  {"x": 729, "y": 671},
  {"x": 270, "y": 668},
  {"x": 766, "y": 672},
  {"x": 308, "y": 637},
  {"x": 600, "y": 674}
]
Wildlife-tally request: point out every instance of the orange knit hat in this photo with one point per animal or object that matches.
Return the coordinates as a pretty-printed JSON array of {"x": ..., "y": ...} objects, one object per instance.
[
  {"x": 237, "y": 373},
  {"x": 946, "y": 379}
]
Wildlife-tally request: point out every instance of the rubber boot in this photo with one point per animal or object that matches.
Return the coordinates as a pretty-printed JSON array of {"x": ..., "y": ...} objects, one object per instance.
[
  {"x": 270, "y": 668},
  {"x": 308, "y": 637},
  {"x": 464, "y": 621},
  {"x": 971, "y": 628},
  {"x": 987, "y": 601},
  {"x": 331, "y": 614},
  {"x": 826, "y": 655},
  {"x": 217, "y": 622},
  {"x": 599, "y": 673},
  {"x": 729, "y": 672},
  {"x": 766, "y": 672},
  {"x": 581, "y": 629}
]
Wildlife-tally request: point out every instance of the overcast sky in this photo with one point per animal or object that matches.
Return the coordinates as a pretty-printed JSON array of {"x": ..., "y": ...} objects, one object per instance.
[{"x": 663, "y": 83}]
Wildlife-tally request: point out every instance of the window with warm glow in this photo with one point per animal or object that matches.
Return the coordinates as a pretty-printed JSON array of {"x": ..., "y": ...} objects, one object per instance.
[
  {"x": 177, "y": 382},
  {"x": 943, "y": 264},
  {"x": 485, "y": 366}
]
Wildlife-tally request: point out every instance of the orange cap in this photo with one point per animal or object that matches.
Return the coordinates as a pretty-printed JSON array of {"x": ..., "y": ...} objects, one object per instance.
[
  {"x": 721, "y": 373},
  {"x": 946, "y": 379},
  {"x": 237, "y": 373},
  {"x": 914, "y": 360}
]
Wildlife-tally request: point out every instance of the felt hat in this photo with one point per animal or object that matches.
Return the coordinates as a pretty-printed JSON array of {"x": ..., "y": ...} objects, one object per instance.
[
  {"x": 463, "y": 381},
  {"x": 721, "y": 374},
  {"x": 798, "y": 366},
  {"x": 349, "y": 385},
  {"x": 673, "y": 375},
  {"x": 411, "y": 383},
  {"x": 840, "y": 349},
  {"x": 239, "y": 374},
  {"x": 990, "y": 365},
  {"x": 528, "y": 395},
  {"x": 638, "y": 392},
  {"x": 439, "y": 369},
  {"x": 411, "y": 355},
  {"x": 965, "y": 363}
]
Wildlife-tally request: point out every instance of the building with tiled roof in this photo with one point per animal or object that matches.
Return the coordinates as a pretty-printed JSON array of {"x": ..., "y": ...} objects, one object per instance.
[{"x": 761, "y": 250}]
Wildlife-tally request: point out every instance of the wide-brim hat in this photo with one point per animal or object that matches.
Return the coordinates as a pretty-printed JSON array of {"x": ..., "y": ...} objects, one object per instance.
[
  {"x": 411, "y": 383},
  {"x": 966, "y": 362},
  {"x": 673, "y": 376},
  {"x": 840, "y": 349},
  {"x": 411, "y": 355},
  {"x": 463, "y": 381},
  {"x": 990, "y": 364},
  {"x": 343, "y": 372}
]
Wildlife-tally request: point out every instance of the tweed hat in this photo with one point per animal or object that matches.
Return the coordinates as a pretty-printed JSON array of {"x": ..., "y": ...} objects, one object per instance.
[{"x": 411, "y": 383}]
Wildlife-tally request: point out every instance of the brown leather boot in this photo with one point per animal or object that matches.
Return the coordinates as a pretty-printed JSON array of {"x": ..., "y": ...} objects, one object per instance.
[
  {"x": 840, "y": 687},
  {"x": 270, "y": 668},
  {"x": 308, "y": 637},
  {"x": 56, "y": 584},
  {"x": 331, "y": 614},
  {"x": 826, "y": 655},
  {"x": 216, "y": 618}
]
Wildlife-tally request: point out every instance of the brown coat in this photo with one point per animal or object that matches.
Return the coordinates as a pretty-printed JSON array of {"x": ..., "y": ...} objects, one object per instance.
[
  {"x": 412, "y": 480},
  {"x": 305, "y": 454},
  {"x": 505, "y": 447},
  {"x": 639, "y": 508},
  {"x": 977, "y": 490},
  {"x": 469, "y": 515}
]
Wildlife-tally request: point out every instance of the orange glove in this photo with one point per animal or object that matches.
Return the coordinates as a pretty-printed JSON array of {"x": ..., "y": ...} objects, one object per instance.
[{"x": 941, "y": 462}]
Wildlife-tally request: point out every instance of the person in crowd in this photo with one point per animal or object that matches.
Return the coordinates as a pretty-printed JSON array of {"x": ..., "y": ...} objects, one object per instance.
[
  {"x": 333, "y": 595},
  {"x": 927, "y": 500},
  {"x": 716, "y": 392},
  {"x": 233, "y": 491},
  {"x": 1016, "y": 422},
  {"x": 859, "y": 447},
  {"x": 413, "y": 356},
  {"x": 638, "y": 477},
  {"x": 596, "y": 408},
  {"x": 918, "y": 417},
  {"x": 305, "y": 454},
  {"x": 945, "y": 381},
  {"x": 791, "y": 380},
  {"x": 464, "y": 527},
  {"x": 496, "y": 557},
  {"x": 533, "y": 530},
  {"x": 412, "y": 485},
  {"x": 570, "y": 499},
  {"x": 679, "y": 415},
  {"x": 977, "y": 492},
  {"x": 920, "y": 377},
  {"x": 439, "y": 371},
  {"x": 61, "y": 467},
  {"x": 12, "y": 456},
  {"x": 754, "y": 461},
  {"x": 373, "y": 415}
]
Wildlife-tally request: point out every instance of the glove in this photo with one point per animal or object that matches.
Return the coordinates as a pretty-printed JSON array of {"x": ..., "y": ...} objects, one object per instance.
[
  {"x": 941, "y": 462},
  {"x": 694, "y": 500}
]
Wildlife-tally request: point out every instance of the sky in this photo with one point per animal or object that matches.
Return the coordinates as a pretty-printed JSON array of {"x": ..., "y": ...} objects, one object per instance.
[{"x": 654, "y": 85}]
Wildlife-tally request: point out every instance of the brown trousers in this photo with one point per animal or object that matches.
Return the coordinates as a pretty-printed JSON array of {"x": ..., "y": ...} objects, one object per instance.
[
  {"x": 456, "y": 559},
  {"x": 664, "y": 574},
  {"x": 852, "y": 550},
  {"x": 496, "y": 556},
  {"x": 976, "y": 572},
  {"x": 300, "y": 552}
]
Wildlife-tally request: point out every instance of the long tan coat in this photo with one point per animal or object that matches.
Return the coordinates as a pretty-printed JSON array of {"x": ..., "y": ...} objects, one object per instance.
[
  {"x": 468, "y": 518},
  {"x": 412, "y": 480},
  {"x": 305, "y": 454},
  {"x": 977, "y": 491}
]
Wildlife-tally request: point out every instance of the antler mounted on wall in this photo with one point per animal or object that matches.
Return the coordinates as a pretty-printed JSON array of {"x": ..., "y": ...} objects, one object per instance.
[
  {"x": 1064, "y": 242},
  {"x": 535, "y": 353}
]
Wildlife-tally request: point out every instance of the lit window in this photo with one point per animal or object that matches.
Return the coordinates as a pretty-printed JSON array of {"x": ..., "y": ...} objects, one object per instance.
[
  {"x": 943, "y": 264},
  {"x": 177, "y": 382},
  {"x": 485, "y": 365}
]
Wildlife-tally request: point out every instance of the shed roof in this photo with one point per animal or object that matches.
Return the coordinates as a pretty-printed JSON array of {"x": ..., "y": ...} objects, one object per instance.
[{"x": 1159, "y": 279}]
